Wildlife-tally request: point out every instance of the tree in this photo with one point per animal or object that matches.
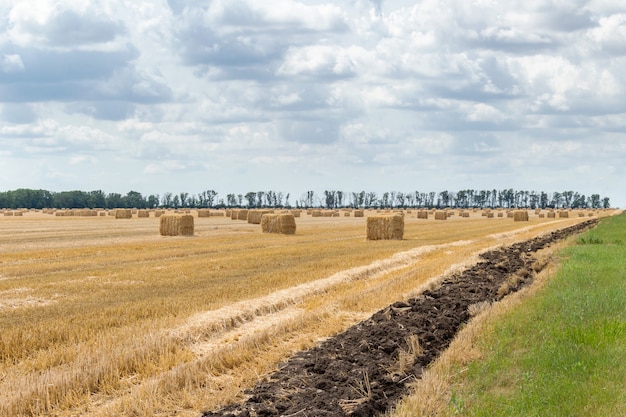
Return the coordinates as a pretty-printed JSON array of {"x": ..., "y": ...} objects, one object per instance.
[{"x": 251, "y": 197}]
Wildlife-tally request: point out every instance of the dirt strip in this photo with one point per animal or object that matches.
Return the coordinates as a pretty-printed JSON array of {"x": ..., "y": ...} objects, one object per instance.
[{"x": 365, "y": 370}]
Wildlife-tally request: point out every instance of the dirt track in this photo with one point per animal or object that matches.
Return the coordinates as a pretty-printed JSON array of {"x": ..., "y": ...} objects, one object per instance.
[{"x": 356, "y": 372}]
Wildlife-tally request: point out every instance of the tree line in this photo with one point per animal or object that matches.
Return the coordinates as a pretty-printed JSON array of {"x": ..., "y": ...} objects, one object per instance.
[{"x": 332, "y": 199}]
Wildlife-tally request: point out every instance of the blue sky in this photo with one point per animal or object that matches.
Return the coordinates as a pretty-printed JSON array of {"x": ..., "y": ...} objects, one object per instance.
[{"x": 287, "y": 95}]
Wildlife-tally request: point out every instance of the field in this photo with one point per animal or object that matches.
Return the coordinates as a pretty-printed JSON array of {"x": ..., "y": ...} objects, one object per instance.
[{"x": 104, "y": 317}]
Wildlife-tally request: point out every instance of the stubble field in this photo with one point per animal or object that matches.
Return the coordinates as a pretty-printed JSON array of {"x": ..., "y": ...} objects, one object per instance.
[{"x": 104, "y": 317}]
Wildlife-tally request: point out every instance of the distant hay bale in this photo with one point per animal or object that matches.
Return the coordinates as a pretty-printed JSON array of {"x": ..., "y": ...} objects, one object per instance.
[
  {"x": 8, "y": 214},
  {"x": 359, "y": 213},
  {"x": 316, "y": 213},
  {"x": 542, "y": 215},
  {"x": 159, "y": 213},
  {"x": 551, "y": 215},
  {"x": 422, "y": 214},
  {"x": 489, "y": 215},
  {"x": 242, "y": 215},
  {"x": 441, "y": 215},
  {"x": 176, "y": 225},
  {"x": 500, "y": 214},
  {"x": 122, "y": 214},
  {"x": 217, "y": 214},
  {"x": 464, "y": 214},
  {"x": 143, "y": 213},
  {"x": 520, "y": 216},
  {"x": 278, "y": 223},
  {"x": 563, "y": 214},
  {"x": 254, "y": 216},
  {"x": 296, "y": 213},
  {"x": 234, "y": 215},
  {"x": 204, "y": 213},
  {"x": 385, "y": 227}
]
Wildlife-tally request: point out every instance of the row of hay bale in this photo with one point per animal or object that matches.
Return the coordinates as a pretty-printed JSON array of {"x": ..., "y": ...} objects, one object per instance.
[{"x": 183, "y": 224}]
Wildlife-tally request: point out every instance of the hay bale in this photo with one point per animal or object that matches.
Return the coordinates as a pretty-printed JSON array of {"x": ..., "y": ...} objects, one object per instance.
[
  {"x": 316, "y": 213},
  {"x": 385, "y": 227},
  {"x": 563, "y": 214},
  {"x": 278, "y": 223},
  {"x": 422, "y": 214},
  {"x": 489, "y": 215},
  {"x": 500, "y": 214},
  {"x": 520, "y": 216},
  {"x": 242, "y": 214},
  {"x": 441, "y": 215},
  {"x": 359, "y": 213},
  {"x": 296, "y": 213},
  {"x": 143, "y": 213},
  {"x": 176, "y": 225},
  {"x": 122, "y": 214},
  {"x": 254, "y": 216},
  {"x": 551, "y": 215},
  {"x": 204, "y": 213}
]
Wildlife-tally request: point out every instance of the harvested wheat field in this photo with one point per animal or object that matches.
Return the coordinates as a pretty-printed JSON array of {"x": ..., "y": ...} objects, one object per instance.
[{"x": 106, "y": 317}]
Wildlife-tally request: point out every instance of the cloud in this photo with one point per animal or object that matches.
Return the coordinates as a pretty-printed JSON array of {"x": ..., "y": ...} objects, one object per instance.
[
  {"x": 65, "y": 24},
  {"x": 313, "y": 93}
]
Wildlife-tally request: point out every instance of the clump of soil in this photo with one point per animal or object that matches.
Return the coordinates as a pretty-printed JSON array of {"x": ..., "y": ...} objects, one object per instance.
[{"x": 366, "y": 369}]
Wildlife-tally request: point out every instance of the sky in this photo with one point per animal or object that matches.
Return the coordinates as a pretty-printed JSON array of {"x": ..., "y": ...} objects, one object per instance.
[{"x": 161, "y": 96}]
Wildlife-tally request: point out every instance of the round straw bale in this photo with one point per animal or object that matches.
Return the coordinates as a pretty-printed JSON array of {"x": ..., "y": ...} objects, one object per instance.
[
  {"x": 385, "y": 227},
  {"x": 278, "y": 223},
  {"x": 520, "y": 216},
  {"x": 123, "y": 214},
  {"x": 254, "y": 216},
  {"x": 176, "y": 225}
]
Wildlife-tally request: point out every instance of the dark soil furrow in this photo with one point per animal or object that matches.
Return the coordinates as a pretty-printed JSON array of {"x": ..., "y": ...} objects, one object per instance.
[{"x": 366, "y": 369}]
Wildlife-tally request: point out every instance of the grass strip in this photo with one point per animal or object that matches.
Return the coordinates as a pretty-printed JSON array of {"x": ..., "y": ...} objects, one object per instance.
[{"x": 560, "y": 353}]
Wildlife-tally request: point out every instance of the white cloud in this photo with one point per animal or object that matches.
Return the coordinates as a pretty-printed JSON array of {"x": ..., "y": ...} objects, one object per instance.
[
  {"x": 313, "y": 93},
  {"x": 11, "y": 63}
]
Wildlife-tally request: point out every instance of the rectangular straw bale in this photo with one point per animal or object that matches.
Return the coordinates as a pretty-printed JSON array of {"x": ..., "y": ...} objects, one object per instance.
[
  {"x": 551, "y": 215},
  {"x": 204, "y": 213},
  {"x": 176, "y": 225},
  {"x": 242, "y": 215},
  {"x": 520, "y": 216},
  {"x": 563, "y": 214},
  {"x": 254, "y": 216},
  {"x": 143, "y": 213},
  {"x": 441, "y": 215},
  {"x": 489, "y": 215},
  {"x": 385, "y": 227},
  {"x": 359, "y": 213},
  {"x": 422, "y": 214},
  {"x": 278, "y": 223}
]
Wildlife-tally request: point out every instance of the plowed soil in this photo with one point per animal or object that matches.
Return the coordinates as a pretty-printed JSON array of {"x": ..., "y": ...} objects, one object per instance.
[{"x": 358, "y": 372}]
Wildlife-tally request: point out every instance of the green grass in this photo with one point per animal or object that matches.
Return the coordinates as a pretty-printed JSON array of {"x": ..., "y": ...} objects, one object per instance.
[{"x": 563, "y": 352}]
